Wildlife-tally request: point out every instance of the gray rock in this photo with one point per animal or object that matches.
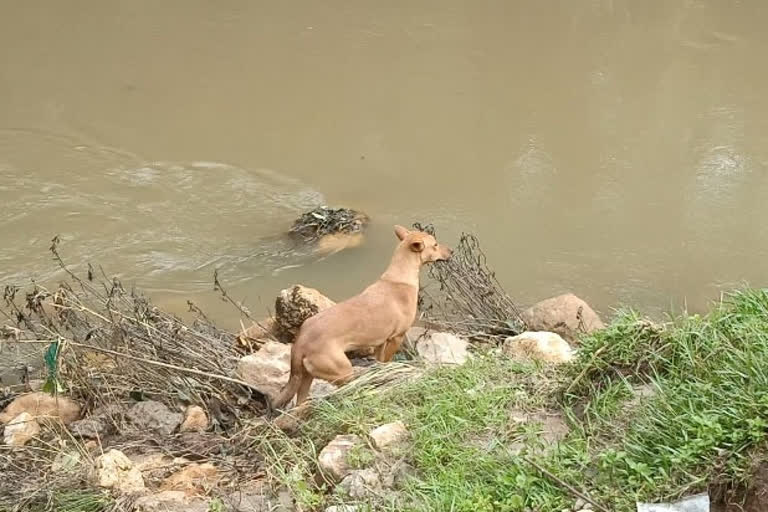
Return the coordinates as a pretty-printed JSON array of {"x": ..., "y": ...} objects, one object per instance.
[
  {"x": 90, "y": 428},
  {"x": 361, "y": 483},
  {"x": 154, "y": 416}
]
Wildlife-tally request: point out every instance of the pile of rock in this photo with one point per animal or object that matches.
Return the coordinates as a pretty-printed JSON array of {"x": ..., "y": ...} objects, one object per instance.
[
  {"x": 374, "y": 476},
  {"x": 553, "y": 325}
]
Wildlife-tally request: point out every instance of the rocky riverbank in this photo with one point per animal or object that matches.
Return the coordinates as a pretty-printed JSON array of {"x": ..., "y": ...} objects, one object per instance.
[{"x": 552, "y": 410}]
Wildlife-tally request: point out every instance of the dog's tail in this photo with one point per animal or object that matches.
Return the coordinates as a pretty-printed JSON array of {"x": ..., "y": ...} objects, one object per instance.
[{"x": 298, "y": 373}]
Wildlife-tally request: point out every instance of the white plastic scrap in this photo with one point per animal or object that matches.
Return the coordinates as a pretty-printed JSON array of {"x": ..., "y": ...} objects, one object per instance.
[{"x": 697, "y": 503}]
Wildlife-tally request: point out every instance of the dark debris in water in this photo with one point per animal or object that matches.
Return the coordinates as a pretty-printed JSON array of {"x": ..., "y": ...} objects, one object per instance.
[{"x": 322, "y": 221}]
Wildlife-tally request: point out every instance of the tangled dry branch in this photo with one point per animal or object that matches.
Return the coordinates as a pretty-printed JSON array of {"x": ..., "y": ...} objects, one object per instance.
[{"x": 469, "y": 301}]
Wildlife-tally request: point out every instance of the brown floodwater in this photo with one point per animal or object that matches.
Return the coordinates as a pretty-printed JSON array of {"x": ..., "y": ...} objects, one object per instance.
[{"x": 618, "y": 149}]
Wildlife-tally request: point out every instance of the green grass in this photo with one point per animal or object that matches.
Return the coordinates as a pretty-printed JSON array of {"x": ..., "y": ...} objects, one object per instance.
[{"x": 705, "y": 423}]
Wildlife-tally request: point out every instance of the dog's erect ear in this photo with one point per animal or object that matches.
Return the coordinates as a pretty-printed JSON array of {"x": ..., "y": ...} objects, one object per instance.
[
  {"x": 401, "y": 232},
  {"x": 417, "y": 246}
]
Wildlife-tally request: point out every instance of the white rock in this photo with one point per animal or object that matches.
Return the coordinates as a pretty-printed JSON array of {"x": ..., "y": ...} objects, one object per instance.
[
  {"x": 344, "y": 508},
  {"x": 333, "y": 458},
  {"x": 21, "y": 429},
  {"x": 443, "y": 348},
  {"x": 385, "y": 436},
  {"x": 539, "y": 345},
  {"x": 269, "y": 368},
  {"x": 115, "y": 471}
]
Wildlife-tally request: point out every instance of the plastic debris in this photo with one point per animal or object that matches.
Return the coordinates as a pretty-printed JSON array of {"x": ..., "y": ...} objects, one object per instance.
[{"x": 697, "y": 503}]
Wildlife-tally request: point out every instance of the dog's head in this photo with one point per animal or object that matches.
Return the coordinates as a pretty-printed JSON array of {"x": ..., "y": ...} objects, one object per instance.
[{"x": 423, "y": 244}]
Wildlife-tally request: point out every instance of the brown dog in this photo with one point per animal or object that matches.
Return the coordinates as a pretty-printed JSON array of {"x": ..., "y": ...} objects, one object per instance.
[{"x": 376, "y": 318}]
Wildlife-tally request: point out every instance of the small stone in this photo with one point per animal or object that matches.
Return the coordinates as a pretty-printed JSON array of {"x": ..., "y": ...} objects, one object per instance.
[
  {"x": 285, "y": 499},
  {"x": 156, "y": 467},
  {"x": 442, "y": 348},
  {"x": 90, "y": 428},
  {"x": 116, "y": 471},
  {"x": 195, "y": 419},
  {"x": 389, "y": 434},
  {"x": 193, "y": 478},
  {"x": 344, "y": 508},
  {"x": 333, "y": 458},
  {"x": 579, "y": 504},
  {"x": 42, "y": 406},
  {"x": 169, "y": 501},
  {"x": 540, "y": 346},
  {"x": 21, "y": 429},
  {"x": 154, "y": 416},
  {"x": 66, "y": 462},
  {"x": 361, "y": 483}
]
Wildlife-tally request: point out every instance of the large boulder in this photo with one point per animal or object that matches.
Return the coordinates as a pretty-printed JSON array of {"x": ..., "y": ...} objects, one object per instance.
[
  {"x": 42, "y": 406},
  {"x": 441, "y": 348},
  {"x": 113, "y": 470},
  {"x": 297, "y": 303},
  {"x": 154, "y": 417},
  {"x": 540, "y": 346},
  {"x": 20, "y": 430},
  {"x": 334, "y": 458},
  {"x": 566, "y": 315},
  {"x": 268, "y": 370}
]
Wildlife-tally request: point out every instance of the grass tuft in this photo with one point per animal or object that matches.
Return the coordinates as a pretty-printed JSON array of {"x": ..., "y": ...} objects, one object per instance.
[{"x": 655, "y": 412}]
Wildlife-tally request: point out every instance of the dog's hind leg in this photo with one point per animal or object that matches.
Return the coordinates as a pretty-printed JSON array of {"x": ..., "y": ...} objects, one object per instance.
[
  {"x": 334, "y": 367},
  {"x": 303, "y": 392}
]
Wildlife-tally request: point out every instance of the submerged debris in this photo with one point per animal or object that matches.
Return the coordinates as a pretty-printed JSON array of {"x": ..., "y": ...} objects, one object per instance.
[{"x": 322, "y": 221}]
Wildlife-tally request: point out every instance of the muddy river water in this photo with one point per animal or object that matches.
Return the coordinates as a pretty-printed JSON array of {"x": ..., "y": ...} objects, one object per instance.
[{"x": 615, "y": 148}]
